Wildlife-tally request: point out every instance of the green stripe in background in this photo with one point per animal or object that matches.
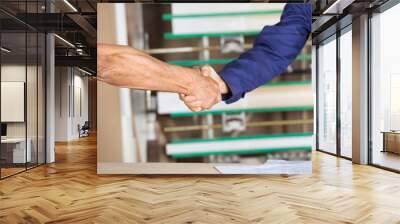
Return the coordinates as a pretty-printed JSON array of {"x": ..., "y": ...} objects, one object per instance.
[
  {"x": 288, "y": 83},
  {"x": 241, "y": 152},
  {"x": 247, "y": 110},
  {"x": 222, "y": 61},
  {"x": 168, "y": 16},
  {"x": 304, "y": 57},
  {"x": 239, "y": 138},
  {"x": 171, "y": 36}
]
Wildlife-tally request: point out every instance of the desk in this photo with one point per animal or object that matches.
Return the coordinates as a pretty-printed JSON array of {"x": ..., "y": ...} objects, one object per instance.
[
  {"x": 391, "y": 141},
  {"x": 15, "y": 148}
]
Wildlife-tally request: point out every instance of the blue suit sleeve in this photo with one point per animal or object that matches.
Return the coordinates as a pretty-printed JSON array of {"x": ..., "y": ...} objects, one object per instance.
[{"x": 275, "y": 48}]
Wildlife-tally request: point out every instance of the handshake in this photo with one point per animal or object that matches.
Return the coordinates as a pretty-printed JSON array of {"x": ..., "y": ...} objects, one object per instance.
[{"x": 205, "y": 90}]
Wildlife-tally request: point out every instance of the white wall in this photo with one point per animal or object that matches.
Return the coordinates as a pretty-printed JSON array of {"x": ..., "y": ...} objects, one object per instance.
[
  {"x": 12, "y": 73},
  {"x": 61, "y": 103},
  {"x": 71, "y": 92},
  {"x": 79, "y": 117}
]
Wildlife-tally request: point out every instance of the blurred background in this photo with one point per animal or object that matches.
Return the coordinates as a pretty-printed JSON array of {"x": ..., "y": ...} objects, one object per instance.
[{"x": 274, "y": 121}]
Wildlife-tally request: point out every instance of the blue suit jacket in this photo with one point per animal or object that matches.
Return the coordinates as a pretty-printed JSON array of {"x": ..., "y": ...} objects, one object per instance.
[{"x": 273, "y": 51}]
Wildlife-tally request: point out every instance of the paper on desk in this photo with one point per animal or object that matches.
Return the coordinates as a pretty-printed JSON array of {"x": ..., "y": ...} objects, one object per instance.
[{"x": 270, "y": 167}]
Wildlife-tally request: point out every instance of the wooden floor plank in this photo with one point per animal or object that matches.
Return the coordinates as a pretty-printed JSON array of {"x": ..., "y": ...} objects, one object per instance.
[{"x": 70, "y": 191}]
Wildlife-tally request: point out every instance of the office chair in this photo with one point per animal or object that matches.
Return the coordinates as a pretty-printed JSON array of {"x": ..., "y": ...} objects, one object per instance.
[{"x": 84, "y": 130}]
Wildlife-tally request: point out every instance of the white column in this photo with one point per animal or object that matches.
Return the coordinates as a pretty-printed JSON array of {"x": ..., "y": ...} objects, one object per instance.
[
  {"x": 360, "y": 90},
  {"x": 50, "y": 99},
  {"x": 314, "y": 87}
]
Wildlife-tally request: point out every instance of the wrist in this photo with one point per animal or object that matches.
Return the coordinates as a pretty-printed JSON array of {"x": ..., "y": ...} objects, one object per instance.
[
  {"x": 191, "y": 79},
  {"x": 222, "y": 86}
]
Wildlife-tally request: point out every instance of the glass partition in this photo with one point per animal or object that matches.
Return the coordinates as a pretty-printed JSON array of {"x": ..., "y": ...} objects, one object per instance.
[
  {"x": 327, "y": 96},
  {"x": 22, "y": 90},
  {"x": 32, "y": 95},
  {"x": 346, "y": 93},
  {"x": 32, "y": 86},
  {"x": 14, "y": 153}
]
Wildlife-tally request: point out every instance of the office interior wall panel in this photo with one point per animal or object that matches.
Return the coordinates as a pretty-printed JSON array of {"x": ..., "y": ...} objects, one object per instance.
[
  {"x": 71, "y": 100},
  {"x": 62, "y": 102},
  {"x": 12, "y": 101},
  {"x": 80, "y": 103},
  {"x": 81, "y": 82},
  {"x": 76, "y": 120}
]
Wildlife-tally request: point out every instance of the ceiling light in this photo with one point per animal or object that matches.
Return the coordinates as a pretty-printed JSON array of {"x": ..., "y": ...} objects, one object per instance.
[
  {"x": 84, "y": 71},
  {"x": 80, "y": 51},
  {"x": 337, "y": 7},
  {"x": 65, "y": 41},
  {"x": 5, "y": 50},
  {"x": 70, "y": 5}
]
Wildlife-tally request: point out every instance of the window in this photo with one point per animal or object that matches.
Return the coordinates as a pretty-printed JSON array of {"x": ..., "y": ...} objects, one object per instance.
[
  {"x": 346, "y": 92},
  {"x": 327, "y": 96},
  {"x": 385, "y": 89}
]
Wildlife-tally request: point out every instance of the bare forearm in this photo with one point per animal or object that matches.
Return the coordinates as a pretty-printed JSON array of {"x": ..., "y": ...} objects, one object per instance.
[{"x": 135, "y": 69}]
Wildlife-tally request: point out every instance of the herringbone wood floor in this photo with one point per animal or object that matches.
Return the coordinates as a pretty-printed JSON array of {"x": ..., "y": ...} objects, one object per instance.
[{"x": 69, "y": 191}]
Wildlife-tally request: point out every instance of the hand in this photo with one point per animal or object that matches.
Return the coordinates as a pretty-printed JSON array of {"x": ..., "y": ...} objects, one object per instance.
[
  {"x": 194, "y": 103},
  {"x": 209, "y": 71},
  {"x": 204, "y": 93}
]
